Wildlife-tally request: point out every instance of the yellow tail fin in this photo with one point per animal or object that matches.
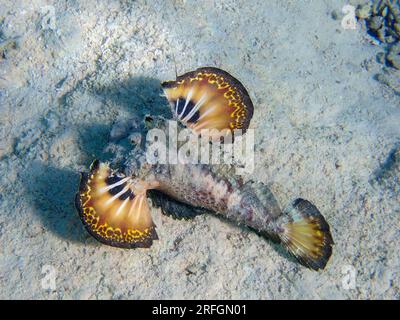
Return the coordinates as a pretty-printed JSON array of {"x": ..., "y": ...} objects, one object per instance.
[{"x": 306, "y": 235}]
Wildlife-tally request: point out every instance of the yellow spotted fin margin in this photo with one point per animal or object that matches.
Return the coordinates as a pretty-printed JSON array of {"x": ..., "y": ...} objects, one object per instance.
[
  {"x": 305, "y": 234},
  {"x": 210, "y": 98},
  {"x": 114, "y": 208}
]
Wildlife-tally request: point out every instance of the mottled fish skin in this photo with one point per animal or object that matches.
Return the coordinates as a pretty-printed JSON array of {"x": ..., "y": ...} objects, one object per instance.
[
  {"x": 126, "y": 222},
  {"x": 300, "y": 227},
  {"x": 114, "y": 207},
  {"x": 213, "y": 187},
  {"x": 199, "y": 186}
]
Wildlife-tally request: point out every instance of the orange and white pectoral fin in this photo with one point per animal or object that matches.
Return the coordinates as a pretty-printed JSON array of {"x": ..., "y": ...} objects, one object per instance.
[
  {"x": 114, "y": 208},
  {"x": 209, "y": 98}
]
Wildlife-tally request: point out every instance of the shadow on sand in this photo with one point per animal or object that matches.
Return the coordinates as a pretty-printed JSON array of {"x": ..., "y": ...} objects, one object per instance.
[
  {"x": 138, "y": 95},
  {"x": 51, "y": 192}
]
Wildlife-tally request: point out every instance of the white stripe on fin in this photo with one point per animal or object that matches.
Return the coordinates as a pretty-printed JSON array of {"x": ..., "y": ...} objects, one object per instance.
[
  {"x": 208, "y": 111},
  {"x": 112, "y": 186},
  {"x": 109, "y": 201},
  {"x": 189, "y": 96},
  {"x": 119, "y": 210},
  {"x": 195, "y": 108}
]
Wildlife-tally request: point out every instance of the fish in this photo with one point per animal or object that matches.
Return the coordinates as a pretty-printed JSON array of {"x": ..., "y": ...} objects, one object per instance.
[
  {"x": 114, "y": 204},
  {"x": 115, "y": 210}
]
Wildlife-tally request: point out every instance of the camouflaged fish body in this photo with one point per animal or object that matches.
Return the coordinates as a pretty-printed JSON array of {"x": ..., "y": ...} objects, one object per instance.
[
  {"x": 184, "y": 191},
  {"x": 198, "y": 186},
  {"x": 113, "y": 205}
]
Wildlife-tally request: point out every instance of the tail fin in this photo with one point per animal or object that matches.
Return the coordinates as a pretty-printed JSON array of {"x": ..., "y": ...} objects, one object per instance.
[
  {"x": 306, "y": 235},
  {"x": 114, "y": 208}
]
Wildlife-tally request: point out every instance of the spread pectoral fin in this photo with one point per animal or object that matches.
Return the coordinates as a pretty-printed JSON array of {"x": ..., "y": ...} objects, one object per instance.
[
  {"x": 114, "y": 209},
  {"x": 210, "y": 101}
]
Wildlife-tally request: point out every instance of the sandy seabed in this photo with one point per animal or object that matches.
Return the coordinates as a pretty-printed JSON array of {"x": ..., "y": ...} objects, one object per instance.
[{"x": 326, "y": 131}]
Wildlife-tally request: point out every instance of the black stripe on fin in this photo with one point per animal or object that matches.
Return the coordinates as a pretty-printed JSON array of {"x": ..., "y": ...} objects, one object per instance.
[{"x": 113, "y": 210}]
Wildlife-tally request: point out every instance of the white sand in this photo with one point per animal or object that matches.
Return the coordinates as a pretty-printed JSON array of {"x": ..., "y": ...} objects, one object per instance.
[{"x": 326, "y": 131}]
